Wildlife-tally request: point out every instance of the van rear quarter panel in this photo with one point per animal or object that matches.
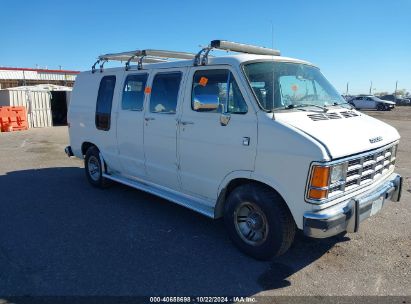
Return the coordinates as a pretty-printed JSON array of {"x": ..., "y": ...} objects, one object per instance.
[{"x": 81, "y": 115}]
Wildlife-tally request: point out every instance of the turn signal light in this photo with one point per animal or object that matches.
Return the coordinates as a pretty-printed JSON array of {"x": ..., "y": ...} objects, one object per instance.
[
  {"x": 317, "y": 194},
  {"x": 320, "y": 177}
]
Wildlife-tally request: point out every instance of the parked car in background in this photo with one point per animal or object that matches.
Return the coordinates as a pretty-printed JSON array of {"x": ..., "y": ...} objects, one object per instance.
[
  {"x": 372, "y": 102},
  {"x": 398, "y": 100},
  {"x": 348, "y": 98}
]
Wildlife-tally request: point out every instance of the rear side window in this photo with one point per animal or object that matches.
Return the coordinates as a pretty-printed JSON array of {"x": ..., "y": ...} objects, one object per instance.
[
  {"x": 164, "y": 93},
  {"x": 221, "y": 86},
  {"x": 104, "y": 102},
  {"x": 133, "y": 92}
]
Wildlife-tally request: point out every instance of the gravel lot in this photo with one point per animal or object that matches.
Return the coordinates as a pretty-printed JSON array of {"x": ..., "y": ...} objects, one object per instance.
[{"x": 60, "y": 236}]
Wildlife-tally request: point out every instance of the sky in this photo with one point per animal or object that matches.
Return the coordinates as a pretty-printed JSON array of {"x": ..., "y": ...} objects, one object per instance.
[{"x": 351, "y": 41}]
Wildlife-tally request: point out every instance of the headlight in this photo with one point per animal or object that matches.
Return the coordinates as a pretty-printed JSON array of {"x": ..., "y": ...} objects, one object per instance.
[
  {"x": 337, "y": 173},
  {"x": 322, "y": 177}
]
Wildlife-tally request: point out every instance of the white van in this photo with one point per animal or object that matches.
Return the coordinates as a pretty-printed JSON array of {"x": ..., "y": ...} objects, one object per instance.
[{"x": 262, "y": 140}]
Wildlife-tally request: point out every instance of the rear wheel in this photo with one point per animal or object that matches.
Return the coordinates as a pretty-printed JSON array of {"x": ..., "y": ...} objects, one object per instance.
[
  {"x": 258, "y": 221},
  {"x": 94, "y": 168}
]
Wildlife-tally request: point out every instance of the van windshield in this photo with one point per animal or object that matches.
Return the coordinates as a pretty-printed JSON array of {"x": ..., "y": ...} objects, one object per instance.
[{"x": 284, "y": 85}]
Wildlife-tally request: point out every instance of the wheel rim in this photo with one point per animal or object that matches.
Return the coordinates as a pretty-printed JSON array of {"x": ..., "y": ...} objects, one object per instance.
[
  {"x": 251, "y": 223},
  {"x": 94, "y": 168}
]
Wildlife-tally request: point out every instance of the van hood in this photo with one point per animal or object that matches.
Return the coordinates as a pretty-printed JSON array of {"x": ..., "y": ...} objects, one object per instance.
[{"x": 342, "y": 132}]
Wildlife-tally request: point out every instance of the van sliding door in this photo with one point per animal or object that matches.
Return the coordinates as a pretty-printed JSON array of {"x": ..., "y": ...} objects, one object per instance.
[
  {"x": 130, "y": 123},
  {"x": 160, "y": 127}
]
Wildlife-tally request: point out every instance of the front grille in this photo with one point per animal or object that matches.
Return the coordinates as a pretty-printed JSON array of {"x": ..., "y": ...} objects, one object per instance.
[{"x": 366, "y": 169}]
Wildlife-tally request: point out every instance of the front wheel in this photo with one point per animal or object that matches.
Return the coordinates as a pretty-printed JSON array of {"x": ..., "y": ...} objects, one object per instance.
[
  {"x": 258, "y": 221},
  {"x": 380, "y": 107}
]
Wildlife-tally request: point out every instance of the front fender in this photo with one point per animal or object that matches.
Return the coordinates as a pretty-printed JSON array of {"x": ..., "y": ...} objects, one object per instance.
[{"x": 297, "y": 208}]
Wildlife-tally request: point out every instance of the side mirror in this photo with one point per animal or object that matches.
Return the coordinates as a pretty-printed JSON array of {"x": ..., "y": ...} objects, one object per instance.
[{"x": 206, "y": 103}]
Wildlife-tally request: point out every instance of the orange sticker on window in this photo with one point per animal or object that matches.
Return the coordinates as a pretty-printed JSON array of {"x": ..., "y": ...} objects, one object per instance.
[
  {"x": 147, "y": 90},
  {"x": 294, "y": 87},
  {"x": 203, "y": 81}
]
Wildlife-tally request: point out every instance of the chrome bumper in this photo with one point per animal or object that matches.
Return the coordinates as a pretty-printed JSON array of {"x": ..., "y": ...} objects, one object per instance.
[{"x": 348, "y": 215}]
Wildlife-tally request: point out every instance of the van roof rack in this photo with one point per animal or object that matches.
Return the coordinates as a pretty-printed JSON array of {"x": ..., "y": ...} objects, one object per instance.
[
  {"x": 157, "y": 56},
  {"x": 232, "y": 47},
  {"x": 140, "y": 56}
]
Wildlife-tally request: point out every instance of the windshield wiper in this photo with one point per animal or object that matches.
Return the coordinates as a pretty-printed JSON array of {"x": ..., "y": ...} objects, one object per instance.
[{"x": 303, "y": 105}]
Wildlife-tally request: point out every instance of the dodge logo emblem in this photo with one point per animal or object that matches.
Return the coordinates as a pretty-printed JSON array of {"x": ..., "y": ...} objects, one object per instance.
[{"x": 375, "y": 139}]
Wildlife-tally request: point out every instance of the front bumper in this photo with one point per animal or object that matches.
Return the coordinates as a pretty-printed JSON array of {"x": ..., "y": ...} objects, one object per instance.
[{"x": 348, "y": 215}]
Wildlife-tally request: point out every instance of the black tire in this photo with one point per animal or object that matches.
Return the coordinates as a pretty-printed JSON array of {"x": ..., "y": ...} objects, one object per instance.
[
  {"x": 280, "y": 230},
  {"x": 92, "y": 158},
  {"x": 380, "y": 107}
]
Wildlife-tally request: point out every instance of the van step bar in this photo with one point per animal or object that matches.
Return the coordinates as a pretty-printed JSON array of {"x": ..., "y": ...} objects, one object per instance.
[{"x": 190, "y": 202}]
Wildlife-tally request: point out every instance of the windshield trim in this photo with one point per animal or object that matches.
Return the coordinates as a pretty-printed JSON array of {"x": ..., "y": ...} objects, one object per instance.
[{"x": 242, "y": 66}]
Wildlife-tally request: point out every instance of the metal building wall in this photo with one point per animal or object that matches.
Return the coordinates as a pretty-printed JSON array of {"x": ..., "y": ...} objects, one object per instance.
[
  {"x": 37, "y": 103},
  {"x": 36, "y": 75},
  {"x": 14, "y": 77}
]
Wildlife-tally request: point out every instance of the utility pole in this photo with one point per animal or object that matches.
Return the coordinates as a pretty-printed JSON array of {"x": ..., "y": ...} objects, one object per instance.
[
  {"x": 346, "y": 92},
  {"x": 272, "y": 35},
  {"x": 370, "y": 87},
  {"x": 395, "y": 92}
]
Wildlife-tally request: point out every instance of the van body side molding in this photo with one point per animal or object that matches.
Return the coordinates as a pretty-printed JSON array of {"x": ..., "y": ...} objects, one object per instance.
[{"x": 184, "y": 200}]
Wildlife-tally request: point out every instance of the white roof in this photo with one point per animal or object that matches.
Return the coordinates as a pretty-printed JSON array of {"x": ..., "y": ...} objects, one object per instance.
[{"x": 241, "y": 58}]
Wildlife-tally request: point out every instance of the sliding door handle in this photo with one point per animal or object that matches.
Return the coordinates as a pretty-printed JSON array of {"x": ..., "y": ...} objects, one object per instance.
[
  {"x": 184, "y": 123},
  {"x": 149, "y": 118}
]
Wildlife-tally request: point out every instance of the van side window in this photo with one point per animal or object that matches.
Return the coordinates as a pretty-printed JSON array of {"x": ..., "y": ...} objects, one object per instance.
[
  {"x": 133, "y": 92},
  {"x": 164, "y": 93},
  {"x": 104, "y": 102},
  {"x": 218, "y": 85}
]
